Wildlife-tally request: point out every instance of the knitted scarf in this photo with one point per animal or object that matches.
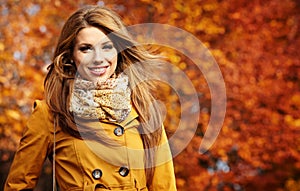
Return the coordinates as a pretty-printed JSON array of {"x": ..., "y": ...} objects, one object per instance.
[{"x": 101, "y": 100}]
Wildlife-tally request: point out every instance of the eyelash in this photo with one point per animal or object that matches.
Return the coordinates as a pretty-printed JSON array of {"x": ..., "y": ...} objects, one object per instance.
[
  {"x": 85, "y": 48},
  {"x": 105, "y": 47},
  {"x": 108, "y": 46}
]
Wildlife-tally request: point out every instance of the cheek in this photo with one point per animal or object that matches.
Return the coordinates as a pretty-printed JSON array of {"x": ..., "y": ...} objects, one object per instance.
[
  {"x": 115, "y": 62},
  {"x": 114, "y": 58},
  {"x": 76, "y": 58},
  {"x": 111, "y": 55},
  {"x": 81, "y": 59}
]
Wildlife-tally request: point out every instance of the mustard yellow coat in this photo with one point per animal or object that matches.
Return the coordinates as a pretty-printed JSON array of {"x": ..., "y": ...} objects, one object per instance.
[{"x": 88, "y": 165}]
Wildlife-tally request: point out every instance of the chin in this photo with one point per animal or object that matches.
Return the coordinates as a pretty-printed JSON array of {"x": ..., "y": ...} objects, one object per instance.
[{"x": 100, "y": 78}]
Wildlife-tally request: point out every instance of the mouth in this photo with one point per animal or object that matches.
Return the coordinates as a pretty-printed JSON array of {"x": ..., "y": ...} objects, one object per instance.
[{"x": 98, "y": 71}]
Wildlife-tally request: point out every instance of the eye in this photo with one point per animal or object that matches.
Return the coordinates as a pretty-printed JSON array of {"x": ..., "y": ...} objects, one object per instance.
[
  {"x": 108, "y": 46},
  {"x": 85, "y": 48}
]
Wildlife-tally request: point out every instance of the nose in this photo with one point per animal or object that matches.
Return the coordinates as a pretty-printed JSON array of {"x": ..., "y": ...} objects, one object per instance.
[{"x": 99, "y": 56}]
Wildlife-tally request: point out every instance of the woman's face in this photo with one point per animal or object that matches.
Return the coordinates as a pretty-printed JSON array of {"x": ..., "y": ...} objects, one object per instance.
[{"x": 94, "y": 54}]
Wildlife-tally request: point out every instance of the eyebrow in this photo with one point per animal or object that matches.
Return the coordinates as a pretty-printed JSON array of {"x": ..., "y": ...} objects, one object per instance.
[
  {"x": 103, "y": 43},
  {"x": 107, "y": 42}
]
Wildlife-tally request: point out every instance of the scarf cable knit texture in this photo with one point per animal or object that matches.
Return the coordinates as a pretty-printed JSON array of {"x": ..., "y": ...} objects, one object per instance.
[{"x": 110, "y": 99}]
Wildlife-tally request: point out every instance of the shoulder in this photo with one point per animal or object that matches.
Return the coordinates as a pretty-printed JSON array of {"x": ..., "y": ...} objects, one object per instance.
[
  {"x": 40, "y": 116},
  {"x": 40, "y": 107},
  {"x": 40, "y": 104}
]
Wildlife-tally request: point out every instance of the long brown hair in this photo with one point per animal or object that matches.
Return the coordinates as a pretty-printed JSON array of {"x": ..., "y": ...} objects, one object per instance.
[{"x": 134, "y": 60}]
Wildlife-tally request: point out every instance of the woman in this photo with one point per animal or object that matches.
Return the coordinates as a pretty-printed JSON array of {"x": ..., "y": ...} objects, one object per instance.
[{"x": 97, "y": 124}]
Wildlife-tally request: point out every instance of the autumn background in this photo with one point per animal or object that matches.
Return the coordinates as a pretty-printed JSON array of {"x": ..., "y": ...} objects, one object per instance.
[{"x": 256, "y": 45}]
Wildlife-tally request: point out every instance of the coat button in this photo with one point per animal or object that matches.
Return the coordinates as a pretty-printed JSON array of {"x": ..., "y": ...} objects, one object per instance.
[
  {"x": 123, "y": 171},
  {"x": 119, "y": 131},
  {"x": 97, "y": 173}
]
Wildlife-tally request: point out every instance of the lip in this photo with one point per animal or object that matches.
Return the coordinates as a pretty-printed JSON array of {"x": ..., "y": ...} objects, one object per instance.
[{"x": 98, "y": 71}]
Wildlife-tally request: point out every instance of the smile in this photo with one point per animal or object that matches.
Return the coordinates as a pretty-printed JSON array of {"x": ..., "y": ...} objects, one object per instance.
[{"x": 98, "y": 70}]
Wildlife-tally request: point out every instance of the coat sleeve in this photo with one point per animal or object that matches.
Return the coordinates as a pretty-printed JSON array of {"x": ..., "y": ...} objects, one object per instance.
[
  {"x": 31, "y": 153},
  {"x": 164, "y": 176}
]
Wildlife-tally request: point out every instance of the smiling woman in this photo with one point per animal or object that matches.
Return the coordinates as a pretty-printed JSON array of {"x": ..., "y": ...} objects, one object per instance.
[
  {"x": 97, "y": 124},
  {"x": 94, "y": 54}
]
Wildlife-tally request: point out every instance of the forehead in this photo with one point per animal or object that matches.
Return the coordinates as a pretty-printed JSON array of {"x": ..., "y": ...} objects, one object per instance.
[{"x": 91, "y": 35}]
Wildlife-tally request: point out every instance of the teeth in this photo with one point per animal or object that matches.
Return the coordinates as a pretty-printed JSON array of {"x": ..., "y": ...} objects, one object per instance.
[{"x": 98, "y": 69}]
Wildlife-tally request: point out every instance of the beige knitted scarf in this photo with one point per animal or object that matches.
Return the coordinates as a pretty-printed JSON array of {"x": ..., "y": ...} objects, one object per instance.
[{"x": 101, "y": 100}]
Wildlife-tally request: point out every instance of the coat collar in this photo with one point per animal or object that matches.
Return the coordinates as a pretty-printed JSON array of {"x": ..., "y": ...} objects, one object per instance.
[
  {"x": 94, "y": 123},
  {"x": 131, "y": 116}
]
